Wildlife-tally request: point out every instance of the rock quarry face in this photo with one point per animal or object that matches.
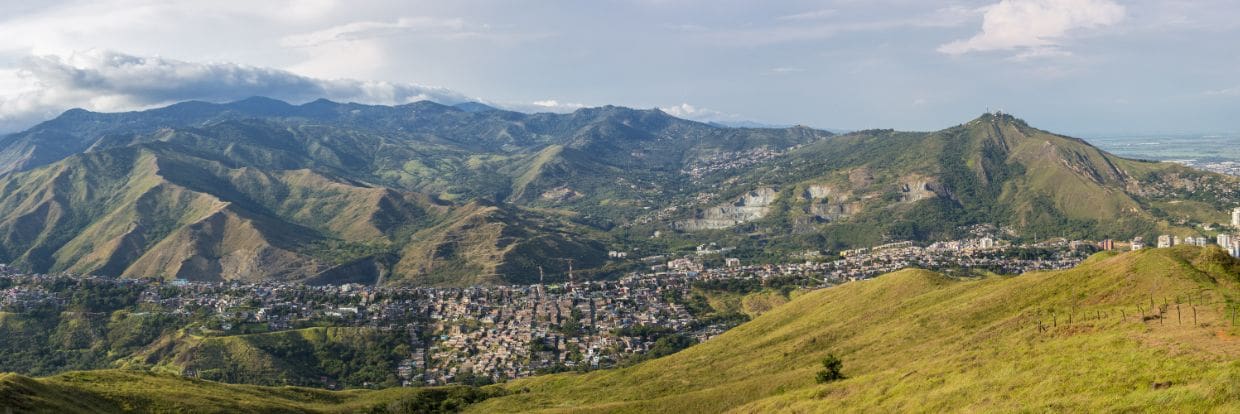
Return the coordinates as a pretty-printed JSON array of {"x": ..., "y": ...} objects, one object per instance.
[
  {"x": 914, "y": 189},
  {"x": 818, "y": 192},
  {"x": 827, "y": 203},
  {"x": 750, "y": 206}
]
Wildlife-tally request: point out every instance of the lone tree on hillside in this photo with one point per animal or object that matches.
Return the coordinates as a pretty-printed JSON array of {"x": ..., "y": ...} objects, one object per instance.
[{"x": 831, "y": 367}]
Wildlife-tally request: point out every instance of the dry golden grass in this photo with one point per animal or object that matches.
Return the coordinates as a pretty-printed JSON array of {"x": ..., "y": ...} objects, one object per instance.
[{"x": 922, "y": 342}]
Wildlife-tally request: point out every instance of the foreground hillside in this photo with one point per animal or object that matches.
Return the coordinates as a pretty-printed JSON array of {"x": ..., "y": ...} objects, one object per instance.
[
  {"x": 918, "y": 341},
  {"x": 1081, "y": 340},
  {"x": 130, "y": 391}
]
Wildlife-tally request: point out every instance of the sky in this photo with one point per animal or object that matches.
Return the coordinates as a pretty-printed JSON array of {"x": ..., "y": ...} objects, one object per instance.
[{"x": 1081, "y": 67}]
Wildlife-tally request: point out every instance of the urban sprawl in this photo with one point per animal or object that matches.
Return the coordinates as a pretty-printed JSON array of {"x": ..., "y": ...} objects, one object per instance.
[{"x": 505, "y": 332}]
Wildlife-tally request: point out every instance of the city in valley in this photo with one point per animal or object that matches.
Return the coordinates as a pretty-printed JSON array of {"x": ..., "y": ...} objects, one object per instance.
[{"x": 489, "y": 334}]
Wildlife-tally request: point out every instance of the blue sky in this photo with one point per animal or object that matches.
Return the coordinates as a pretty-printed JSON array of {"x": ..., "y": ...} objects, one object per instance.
[{"x": 1080, "y": 67}]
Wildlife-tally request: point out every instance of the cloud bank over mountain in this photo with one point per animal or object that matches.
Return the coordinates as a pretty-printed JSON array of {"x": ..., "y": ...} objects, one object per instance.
[
  {"x": 103, "y": 80},
  {"x": 108, "y": 81}
]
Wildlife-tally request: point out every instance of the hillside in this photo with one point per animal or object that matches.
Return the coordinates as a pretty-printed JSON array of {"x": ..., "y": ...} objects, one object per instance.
[
  {"x": 326, "y": 192},
  {"x": 119, "y": 391},
  {"x": 429, "y": 194},
  {"x": 913, "y": 340},
  {"x": 869, "y": 187}
]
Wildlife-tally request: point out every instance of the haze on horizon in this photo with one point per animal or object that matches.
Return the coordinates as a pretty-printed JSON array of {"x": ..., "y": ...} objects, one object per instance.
[{"x": 1083, "y": 67}]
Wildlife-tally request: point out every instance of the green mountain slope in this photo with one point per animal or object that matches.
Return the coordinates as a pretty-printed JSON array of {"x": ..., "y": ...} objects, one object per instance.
[
  {"x": 867, "y": 187},
  {"x": 136, "y": 392},
  {"x": 327, "y": 192},
  {"x": 431, "y": 194},
  {"x": 922, "y": 342},
  {"x": 351, "y": 356}
]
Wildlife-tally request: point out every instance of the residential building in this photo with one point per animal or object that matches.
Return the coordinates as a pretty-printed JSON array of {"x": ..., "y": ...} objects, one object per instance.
[{"x": 1165, "y": 241}]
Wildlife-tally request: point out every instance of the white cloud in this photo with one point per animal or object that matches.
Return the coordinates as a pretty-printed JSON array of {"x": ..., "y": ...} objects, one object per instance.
[
  {"x": 60, "y": 28},
  {"x": 546, "y": 105},
  {"x": 109, "y": 81},
  {"x": 687, "y": 111},
  {"x": 441, "y": 27},
  {"x": 810, "y": 15},
  {"x": 1035, "y": 27},
  {"x": 785, "y": 70},
  {"x": 687, "y": 27},
  {"x": 1224, "y": 92},
  {"x": 798, "y": 28}
]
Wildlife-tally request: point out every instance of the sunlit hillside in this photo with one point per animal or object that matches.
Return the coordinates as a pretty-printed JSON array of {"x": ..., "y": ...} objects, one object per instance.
[{"x": 1079, "y": 340}]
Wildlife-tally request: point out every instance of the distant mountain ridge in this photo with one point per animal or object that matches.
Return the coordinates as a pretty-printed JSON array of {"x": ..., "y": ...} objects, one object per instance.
[
  {"x": 260, "y": 189},
  {"x": 430, "y": 194}
]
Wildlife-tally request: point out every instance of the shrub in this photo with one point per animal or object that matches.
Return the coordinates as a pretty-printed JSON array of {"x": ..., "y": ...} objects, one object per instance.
[{"x": 831, "y": 369}]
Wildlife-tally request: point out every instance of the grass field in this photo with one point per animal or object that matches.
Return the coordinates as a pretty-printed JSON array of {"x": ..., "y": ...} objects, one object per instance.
[
  {"x": 918, "y": 341},
  {"x": 117, "y": 391}
]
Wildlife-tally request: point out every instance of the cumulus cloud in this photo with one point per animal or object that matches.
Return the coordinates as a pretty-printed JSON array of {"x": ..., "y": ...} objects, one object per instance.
[
  {"x": 1036, "y": 28},
  {"x": 99, "y": 80}
]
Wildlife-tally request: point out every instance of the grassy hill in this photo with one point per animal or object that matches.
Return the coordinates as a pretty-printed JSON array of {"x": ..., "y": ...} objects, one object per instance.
[
  {"x": 118, "y": 391},
  {"x": 349, "y": 357},
  {"x": 918, "y": 341},
  {"x": 1136, "y": 331}
]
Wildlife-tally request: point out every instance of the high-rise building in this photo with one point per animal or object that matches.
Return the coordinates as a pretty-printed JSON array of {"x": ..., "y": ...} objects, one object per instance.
[
  {"x": 1107, "y": 244},
  {"x": 1224, "y": 240},
  {"x": 1235, "y": 218}
]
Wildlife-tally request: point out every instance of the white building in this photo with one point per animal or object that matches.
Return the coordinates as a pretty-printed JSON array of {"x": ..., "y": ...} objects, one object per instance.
[
  {"x": 1165, "y": 241},
  {"x": 986, "y": 243},
  {"x": 1235, "y": 218},
  {"x": 1224, "y": 240}
]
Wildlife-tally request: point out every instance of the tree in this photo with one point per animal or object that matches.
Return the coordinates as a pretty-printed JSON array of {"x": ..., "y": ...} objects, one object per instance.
[{"x": 831, "y": 367}]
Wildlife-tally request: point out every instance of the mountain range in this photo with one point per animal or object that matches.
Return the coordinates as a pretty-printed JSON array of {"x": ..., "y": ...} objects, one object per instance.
[{"x": 429, "y": 194}]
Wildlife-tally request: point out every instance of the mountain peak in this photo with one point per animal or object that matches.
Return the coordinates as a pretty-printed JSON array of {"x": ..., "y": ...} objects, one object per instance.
[
  {"x": 474, "y": 107},
  {"x": 260, "y": 105},
  {"x": 999, "y": 117},
  {"x": 320, "y": 102}
]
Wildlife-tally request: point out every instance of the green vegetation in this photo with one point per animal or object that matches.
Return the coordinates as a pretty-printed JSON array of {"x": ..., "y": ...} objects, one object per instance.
[
  {"x": 349, "y": 357},
  {"x": 917, "y": 341},
  {"x": 335, "y": 193},
  {"x": 832, "y": 370},
  {"x": 117, "y": 391}
]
